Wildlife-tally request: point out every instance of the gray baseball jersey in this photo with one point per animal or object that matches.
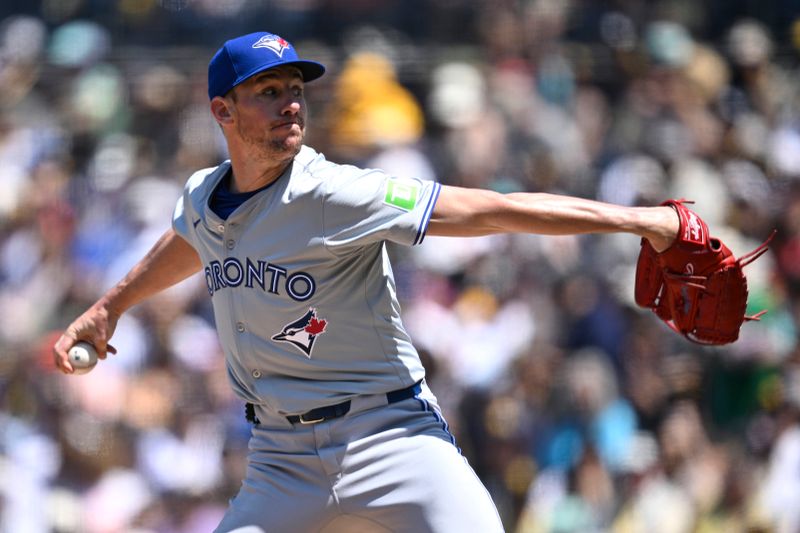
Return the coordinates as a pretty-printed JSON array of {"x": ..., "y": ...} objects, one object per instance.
[{"x": 302, "y": 289}]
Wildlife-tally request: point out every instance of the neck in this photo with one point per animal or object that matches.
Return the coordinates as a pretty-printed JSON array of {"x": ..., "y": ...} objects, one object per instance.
[{"x": 250, "y": 174}]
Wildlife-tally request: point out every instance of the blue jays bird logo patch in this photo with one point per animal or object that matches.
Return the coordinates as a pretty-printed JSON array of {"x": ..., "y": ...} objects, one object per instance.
[
  {"x": 274, "y": 43},
  {"x": 303, "y": 332}
]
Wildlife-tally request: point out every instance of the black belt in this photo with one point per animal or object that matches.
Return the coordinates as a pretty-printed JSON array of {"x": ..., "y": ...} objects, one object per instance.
[{"x": 328, "y": 412}]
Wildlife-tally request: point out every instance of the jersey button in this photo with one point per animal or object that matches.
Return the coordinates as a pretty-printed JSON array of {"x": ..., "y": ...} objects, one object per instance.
[
  {"x": 256, "y": 374},
  {"x": 230, "y": 244},
  {"x": 239, "y": 327},
  {"x": 221, "y": 227}
]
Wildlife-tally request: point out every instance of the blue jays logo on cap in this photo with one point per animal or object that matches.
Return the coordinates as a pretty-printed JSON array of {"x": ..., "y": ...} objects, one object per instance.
[
  {"x": 303, "y": 332},
  {"x": 274, "y": 43},
  {"x": 244, "y": 56}
]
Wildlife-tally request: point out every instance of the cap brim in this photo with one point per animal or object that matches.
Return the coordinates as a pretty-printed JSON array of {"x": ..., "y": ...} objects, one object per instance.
[{"x": 311, "y": 70}]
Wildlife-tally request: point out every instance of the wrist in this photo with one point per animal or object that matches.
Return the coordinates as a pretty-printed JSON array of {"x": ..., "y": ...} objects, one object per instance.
[
  {"x": 663, "y": 227},
  {"x": 110, "y": 305}
]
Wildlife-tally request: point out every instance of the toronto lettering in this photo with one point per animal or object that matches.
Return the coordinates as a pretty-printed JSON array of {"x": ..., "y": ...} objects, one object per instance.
[{"x": 259, "y": 275}]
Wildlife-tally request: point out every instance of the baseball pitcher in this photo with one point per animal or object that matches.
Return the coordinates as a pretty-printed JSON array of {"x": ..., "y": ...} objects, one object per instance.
[{"x": 346, "y": 434}]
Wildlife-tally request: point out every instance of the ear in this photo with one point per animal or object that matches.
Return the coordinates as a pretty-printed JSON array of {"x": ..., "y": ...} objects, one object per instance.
[{"x": 222, "y": 110}]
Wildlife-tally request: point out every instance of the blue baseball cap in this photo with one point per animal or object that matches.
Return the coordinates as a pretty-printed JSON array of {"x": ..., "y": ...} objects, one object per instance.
[{"x": 244, "y": 56}]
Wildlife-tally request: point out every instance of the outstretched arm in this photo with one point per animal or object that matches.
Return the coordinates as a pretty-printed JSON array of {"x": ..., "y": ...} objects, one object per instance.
[
  {"x": 463, "y": 212},
  {"x": 170, "y": 261}
]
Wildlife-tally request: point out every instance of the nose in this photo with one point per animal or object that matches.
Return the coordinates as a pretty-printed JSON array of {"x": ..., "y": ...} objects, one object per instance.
[{"x": 292, "y": 107}]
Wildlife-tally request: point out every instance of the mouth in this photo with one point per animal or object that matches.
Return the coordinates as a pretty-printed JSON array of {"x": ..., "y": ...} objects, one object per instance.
[{"x": 287, "y": 125}]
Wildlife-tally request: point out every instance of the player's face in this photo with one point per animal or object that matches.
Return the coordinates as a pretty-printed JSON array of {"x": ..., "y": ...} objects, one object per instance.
[{"x": 271, "y": 113}]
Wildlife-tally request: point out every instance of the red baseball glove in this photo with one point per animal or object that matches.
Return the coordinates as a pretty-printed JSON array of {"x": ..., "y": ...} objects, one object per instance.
[{"x": 696, "y": 286}]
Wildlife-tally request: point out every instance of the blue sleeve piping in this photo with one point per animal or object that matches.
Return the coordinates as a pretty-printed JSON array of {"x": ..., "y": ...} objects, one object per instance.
[{"x": 423, "y": 227}]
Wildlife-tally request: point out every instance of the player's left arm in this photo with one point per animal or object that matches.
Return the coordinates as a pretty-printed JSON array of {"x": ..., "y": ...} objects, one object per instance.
[{"x": 461, "y": 212}]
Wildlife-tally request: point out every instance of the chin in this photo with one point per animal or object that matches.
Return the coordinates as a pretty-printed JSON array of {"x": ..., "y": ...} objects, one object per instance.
[{"x": 290, "y": 146}]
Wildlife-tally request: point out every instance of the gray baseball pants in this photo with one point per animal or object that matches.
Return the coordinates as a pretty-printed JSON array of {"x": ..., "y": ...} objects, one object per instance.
[{"x": 380, "y": 468}]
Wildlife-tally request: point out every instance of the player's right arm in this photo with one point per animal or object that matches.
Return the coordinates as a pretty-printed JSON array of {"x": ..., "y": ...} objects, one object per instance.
[{"x": 168, "y": 262}]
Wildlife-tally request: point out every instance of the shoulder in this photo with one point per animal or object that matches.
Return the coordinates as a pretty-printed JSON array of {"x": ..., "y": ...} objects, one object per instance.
[
  {"x": 315, "y": 166},
  {"x": 314, "y": 176},
  {"x": 206, "y": 179},
  {"x": 200, "y": 186}
]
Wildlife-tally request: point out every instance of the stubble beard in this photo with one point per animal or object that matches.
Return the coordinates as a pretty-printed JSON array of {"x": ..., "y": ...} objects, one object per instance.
[{"x": 266, "y": 148}]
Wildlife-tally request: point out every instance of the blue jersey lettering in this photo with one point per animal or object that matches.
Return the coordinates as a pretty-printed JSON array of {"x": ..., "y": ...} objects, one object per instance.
[{"x": 300, "y": 286}]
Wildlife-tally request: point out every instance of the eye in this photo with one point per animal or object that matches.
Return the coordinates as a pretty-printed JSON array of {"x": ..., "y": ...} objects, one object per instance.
[
  {"x": 297, "y": 91},
  {"x": 269, "y": 91}
]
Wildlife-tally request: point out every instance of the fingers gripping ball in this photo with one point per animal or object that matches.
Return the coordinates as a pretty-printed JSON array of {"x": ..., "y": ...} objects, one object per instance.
[
  {"x": 82, "y": 357},
  {"x": 696, "y": 286}
]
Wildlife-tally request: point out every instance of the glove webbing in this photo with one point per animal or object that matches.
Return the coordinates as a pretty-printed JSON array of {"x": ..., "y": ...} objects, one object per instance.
[
  {"x": 700, "y": 283},
  {"x": 748, "y": 258}
]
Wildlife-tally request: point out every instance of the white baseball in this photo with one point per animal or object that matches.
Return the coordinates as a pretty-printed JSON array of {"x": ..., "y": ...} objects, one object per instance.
[{"x": 82, "y": 357}]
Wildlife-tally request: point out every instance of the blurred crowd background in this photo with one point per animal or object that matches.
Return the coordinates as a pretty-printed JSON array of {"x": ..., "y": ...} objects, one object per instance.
[{"x": 579, "y": 411}]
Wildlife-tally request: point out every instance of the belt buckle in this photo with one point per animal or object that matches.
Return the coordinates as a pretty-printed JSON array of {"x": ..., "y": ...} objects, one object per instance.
[{"x": 309, "y": 422}]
